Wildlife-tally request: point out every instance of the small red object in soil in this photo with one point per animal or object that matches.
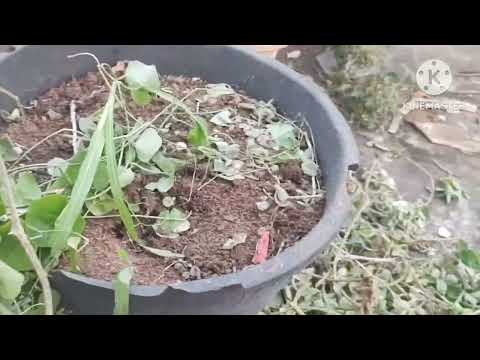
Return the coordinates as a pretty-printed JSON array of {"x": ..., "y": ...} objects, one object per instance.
[{"x": 261, "y": 251}]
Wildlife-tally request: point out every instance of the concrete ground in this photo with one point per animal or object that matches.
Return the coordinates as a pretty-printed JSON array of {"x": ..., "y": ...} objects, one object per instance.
[{"x": 461, "y": 219}]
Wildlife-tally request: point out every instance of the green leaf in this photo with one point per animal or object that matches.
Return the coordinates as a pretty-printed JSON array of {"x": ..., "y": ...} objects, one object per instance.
[
  {"x": 41, "y": 217},
  {"x": 13, "y": 254},
  {"x": 163, "y": 184},
  {"x": 11, "y": 282},
  {"x": 68, "y": 217},
  {"x": 148, "y": 145},
  {"x": 100, "y": 181},
  {"x": 123, "y": 255},
  {"x": 470, "y": 258},
  {"x": 26, "y": 189},
  {"x": 6, "y": 309},
  {"x": 7, "y": 149},
  {"x": 113, "y": 175},
  {"x": 5, "y": 230},
  {"x": 139, "y": 75},
  {"x": 70, "y": 175},
  {"x": 125, "y": 176},
  {"x": 103, "y": 205},
  {"x": 198, "y": 136},
  {"x": 57, "y": 167},
  {"x": 284, "y": 135},
  {"x": 141, "y": 96},
  {"x": 173, "y": 222},
  {"x": 131, "y": 155},
  {"x": 166, "y": 164},
  {"x": 121, "y": 286},
  {"x": 3, "y": 209},
  {"x": 453, "y": 292}
]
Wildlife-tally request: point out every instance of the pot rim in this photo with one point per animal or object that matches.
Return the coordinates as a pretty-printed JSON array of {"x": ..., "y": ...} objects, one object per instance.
[{"x": 337, "y": 207}]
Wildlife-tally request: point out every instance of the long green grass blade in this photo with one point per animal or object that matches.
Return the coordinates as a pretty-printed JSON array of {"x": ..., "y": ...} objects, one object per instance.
[
  {"x": 114, "y": 179},
  {"x": 121, "y": 286},
  {"x": 68, "y": 217}
]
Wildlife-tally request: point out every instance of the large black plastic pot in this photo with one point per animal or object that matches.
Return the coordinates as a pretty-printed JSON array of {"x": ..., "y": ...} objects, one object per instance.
[{"x": 31, "y": 70}]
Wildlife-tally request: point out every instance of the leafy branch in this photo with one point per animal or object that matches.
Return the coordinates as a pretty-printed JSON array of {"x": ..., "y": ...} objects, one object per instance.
[{"x": 19, "y": 232}]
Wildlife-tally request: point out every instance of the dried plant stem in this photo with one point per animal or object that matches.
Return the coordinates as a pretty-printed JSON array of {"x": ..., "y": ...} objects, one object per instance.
[
  {"x": 14, "y": 98},
  {"x": 19, "y": 232},
  {"x": 193, "y": 180},
  {"x": 73, "y": 119},
  {"x": 33, "y": 147}
]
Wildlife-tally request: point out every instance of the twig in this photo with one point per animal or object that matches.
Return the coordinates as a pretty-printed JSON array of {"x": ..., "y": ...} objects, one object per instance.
[
  {"x": 208, "y": 182},
  {"x": 205, "y": 175},
  {"x": 193, "y": 180},
  {"x": 19, "y": 232},
  {"x": 14, "y": 98},
  {"x": 441, "y": 167},
  {"x": 38, "y": 144},
  {"x": 73, "y": 119},
  {"x": 370, "y": 259},
  {"x": 366, "y": 203}
]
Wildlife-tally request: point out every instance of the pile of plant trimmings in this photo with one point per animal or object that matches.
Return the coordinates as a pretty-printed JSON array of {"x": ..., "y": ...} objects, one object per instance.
[
  {"x": 154, "y": 179},
  {"x": 386, "y": 262}
]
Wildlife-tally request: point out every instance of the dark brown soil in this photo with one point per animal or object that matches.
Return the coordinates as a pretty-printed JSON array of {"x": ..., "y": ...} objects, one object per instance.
[{"x": 219, "y": 210}]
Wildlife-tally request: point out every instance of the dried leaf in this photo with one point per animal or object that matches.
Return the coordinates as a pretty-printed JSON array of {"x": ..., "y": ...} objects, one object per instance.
[
  {"x": 168, "y": 201},
  {"x": 172, "y": 222},
  {"x": 264, "y": 205},
  {"x": 309, "y": 167},
  {"x": 148, "y": 145},
  {"x": 163, "y": 185},
  {"x": 237, "y": 239},
  {"x": 163, "y": 253},
  {"x": 231, "y": 151},
  {"x": 217, "y": 90},
  {"x": 223, "y": 118},
  {"x": 281, "y": 196}
]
